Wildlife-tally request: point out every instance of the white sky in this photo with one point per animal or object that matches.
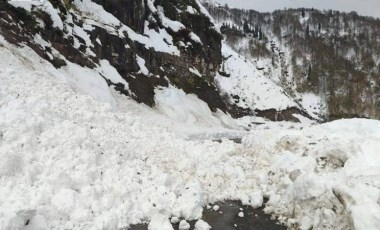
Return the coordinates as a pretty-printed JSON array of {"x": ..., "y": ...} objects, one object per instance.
[{"x": 363, "y": 7}]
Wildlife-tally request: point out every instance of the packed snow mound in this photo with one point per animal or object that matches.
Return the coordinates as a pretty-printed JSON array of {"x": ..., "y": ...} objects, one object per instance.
[
  {"x": 244, "y": 80},
  {"x": 72, "y": 162},
  {"x": 326, "y": 176}
]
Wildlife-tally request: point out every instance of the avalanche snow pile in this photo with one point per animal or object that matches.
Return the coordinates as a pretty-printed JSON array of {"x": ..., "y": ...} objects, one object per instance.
[
  {"x": 71, "y": 162},
  {"x": 322, "y": 177},
  {"x": 75, "y": 154}
]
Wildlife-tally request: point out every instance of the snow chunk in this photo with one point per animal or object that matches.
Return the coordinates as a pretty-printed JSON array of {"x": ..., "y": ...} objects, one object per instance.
[
  {"x": 256, "y": 199},
  {"x": 202, "y": 225},
  {"x": 191, "y": 10},
  {"x": 183, "y": 225},
  {"x": 190, "y": 203},
  {"x": 160, "y": 222}
]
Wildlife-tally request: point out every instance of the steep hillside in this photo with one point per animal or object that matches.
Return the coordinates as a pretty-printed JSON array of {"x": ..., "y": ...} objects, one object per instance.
[
  {"x": 327, "y": 61},
  {"x": 149, "y": 45}
]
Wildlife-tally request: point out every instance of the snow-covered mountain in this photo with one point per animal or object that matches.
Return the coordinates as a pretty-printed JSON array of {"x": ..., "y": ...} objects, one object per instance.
[
  {"x": 79, "y": 150},
  {"x": 327, "y": 61},
  {"x": 149, "y": 46}
]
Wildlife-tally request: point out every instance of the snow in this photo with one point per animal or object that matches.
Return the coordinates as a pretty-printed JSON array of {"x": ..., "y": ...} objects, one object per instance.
[
  {"x": 167, "y": 23},
  {"x": 245, "y": 81},
  {"x": 215, "y": 208},
  {"x": 201, "y": 225},
  {"x": 184, "y": 108},
  {"x": 141, "y": 64},
  {"x": 94, "y": 14},
  {"x": 183, "y": 225},
  {"x": 110, "y": 73},
  {"x": 329, "y": 165},
  {"x": 191, "y": 10},
  {"x": 76, "y": 154},
  {"x": 48, "y": 8},
  {"x": 160, "y": 222},
  {"x": 87, "y": 81},
  {"x": 45, "y": 6},
  {"x": 75, "y": 163},
  {"x": 195, "y": 71},
  {"x": 79, "y": 31},
  {"x": 161, "y": 40},
  {"x": 312, "y": 104},
  {"x": 41, "y": 42}
]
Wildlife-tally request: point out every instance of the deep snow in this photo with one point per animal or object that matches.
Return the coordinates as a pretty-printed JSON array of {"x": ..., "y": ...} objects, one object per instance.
[{"x": 78, "y": 155}]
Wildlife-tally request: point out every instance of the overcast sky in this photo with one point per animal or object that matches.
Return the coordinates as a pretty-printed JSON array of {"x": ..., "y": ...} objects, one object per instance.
[{"x": 363, "y": 7}]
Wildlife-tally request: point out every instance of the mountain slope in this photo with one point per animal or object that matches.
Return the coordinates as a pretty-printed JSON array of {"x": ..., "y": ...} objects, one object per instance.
[
  {"x": 150, "y": 45},
  {"x": 327, "y": 61}
]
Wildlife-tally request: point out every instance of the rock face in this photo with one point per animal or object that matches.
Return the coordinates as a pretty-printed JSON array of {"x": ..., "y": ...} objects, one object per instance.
[{"x": 151, "y": 43}]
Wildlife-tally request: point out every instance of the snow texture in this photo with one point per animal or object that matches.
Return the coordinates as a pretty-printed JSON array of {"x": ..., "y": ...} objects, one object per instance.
[{"x": 245, "y": 81}]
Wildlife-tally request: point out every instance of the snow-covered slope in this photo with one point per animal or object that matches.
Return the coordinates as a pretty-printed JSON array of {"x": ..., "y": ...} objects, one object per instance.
[
  {"x": 326, "y": 61},
  {"x": 253, "y": 89}
]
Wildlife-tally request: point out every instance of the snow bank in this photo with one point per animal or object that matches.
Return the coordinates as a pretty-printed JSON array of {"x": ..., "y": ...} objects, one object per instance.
[{"x": 323, "y": 176}]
